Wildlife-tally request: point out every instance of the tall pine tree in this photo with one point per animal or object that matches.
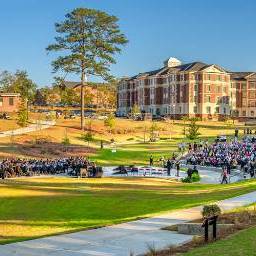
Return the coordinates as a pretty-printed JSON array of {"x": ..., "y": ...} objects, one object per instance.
[{"x": 88, "y": 39}]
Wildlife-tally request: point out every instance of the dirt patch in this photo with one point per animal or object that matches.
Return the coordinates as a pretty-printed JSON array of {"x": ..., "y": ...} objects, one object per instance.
[{"x": 48, "y": 149}]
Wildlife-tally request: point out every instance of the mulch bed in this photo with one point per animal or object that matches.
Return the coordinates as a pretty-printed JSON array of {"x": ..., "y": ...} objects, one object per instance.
[
  {"x": 241, "y": 220},
  {"x": 52, "y": 150}
]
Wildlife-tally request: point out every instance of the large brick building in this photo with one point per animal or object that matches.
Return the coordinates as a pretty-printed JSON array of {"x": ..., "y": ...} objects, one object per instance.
[
  {"x": 192, "y": 89},
  {"x": 9, "y": 102}
]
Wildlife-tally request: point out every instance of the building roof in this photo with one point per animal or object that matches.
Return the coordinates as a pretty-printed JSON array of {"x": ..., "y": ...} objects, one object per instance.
[
  {"x": 70, "y": 84},
  {"x": 190, "y": 67},
  {"x": 9, "y": 94},
  {"x": 240, "y": 75}
]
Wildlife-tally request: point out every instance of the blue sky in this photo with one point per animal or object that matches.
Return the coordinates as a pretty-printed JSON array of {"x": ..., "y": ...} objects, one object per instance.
[{"x": 221, "y": 32}]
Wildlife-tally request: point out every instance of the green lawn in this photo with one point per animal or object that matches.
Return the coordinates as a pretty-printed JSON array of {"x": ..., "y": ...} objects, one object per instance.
[
  {"x": 137, "y": 154},
  {"x": 239, "y": 244},
  {"x": 33, "y": 207}
]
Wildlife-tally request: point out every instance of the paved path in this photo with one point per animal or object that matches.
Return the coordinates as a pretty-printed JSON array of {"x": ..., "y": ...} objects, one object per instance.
[
  {"x": 119, "y": 240},
  {"x": 31, "y": 128},
  {"x": 208, "y": 176}
]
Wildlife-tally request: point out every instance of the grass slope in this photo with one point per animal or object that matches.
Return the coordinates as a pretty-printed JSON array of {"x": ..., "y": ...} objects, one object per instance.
[
  {"x": 33, "y": 207},
  {"x": 239, "y": 244}
]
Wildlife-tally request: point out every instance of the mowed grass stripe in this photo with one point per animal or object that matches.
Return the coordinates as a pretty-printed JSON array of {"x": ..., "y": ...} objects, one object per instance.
[{"x": 34, "y": 207}]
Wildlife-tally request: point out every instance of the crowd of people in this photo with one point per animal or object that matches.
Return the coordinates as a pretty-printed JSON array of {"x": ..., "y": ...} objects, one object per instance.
[
  {"x": 16, "y": 167},
  {"x": 228, "y": 155}
]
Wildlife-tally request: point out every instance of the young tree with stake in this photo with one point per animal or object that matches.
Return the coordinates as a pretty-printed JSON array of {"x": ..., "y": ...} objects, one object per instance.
[{"x": 89, "y": 39}]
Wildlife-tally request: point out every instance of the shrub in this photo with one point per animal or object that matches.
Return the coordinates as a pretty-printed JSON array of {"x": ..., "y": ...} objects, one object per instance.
[
  {"x": 186, "y": 180},
  {"x": 88, "y": 137},
  {"x": 195, "y": 177},
  {"x": 66, "y": 141},
  {"x": 211, "y": 210}
]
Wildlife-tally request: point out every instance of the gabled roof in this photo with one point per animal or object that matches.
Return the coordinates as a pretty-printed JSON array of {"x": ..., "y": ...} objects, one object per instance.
[
  {"x": 70, "y": 84},
  {"x": 240, "y": 75},
  {"x": 189, "y": 67}
]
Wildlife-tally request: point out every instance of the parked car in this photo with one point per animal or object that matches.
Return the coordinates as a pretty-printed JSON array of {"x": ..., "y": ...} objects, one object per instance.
[
  {"x": 70, "y": 116},
  {"x": 221, "y": 138},
  {"x": 4, "y": 116}
]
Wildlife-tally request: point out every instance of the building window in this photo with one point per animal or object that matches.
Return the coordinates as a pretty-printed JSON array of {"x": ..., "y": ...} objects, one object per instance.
[
  {"x": 208, "y": 88},
  {"x": 244, "y": 102},
  {"x": 207, "y": 99},
  {"x": 195, "y": 109},
  {"x": 252, "y": 113},
  {"x": 1, "y": 101},
  {"x": 208, "y": 110},
  {"x": 217, "y": 110},
  {"x": 252, "y": 85},
  {"x": 11, "y": 101},
  {"x": 244, "y": 113}
]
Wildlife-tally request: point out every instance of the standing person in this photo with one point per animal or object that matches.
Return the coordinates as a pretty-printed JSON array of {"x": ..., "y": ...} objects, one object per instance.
[
  {"x": 178, "y": 168},
  {"x": 236, "y": 133},
  {"x": 224, "y": 176},
  {"x": 189, "y": 147},
  {"x": 169, "y": 167},
  {"x": 151, "y": 160}
]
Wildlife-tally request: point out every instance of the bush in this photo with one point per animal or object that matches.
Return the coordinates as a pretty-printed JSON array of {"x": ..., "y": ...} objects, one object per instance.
[
  {"x": 186, "y": 180},
  {"x": 195, "y": 177},
  {"x": 88, "y": 137},
  {"x": 211, "y": 210},
  {"x": 66, "y": 141}
]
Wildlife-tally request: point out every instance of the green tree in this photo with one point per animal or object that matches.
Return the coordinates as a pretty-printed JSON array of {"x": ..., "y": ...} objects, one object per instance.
[
  {"x": 184, "y": 119},
  {"x": 66, "y": 140},
  {"x": 6, "y": 81},
  {"x": 153, "y": 131},
  {"x": 88, "y": 137},
  {"x": 19, "y": 83},
  {"x": 135, "y": 110},
  {"x": 89, "y": 40},
  {"x": 22, "y": 117},
  {"x": 193, "y": 129},
  {"x": 110, "y": 122}
]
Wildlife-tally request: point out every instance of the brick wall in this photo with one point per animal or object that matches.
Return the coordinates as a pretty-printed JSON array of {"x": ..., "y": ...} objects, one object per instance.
[{"x": 9, "y": 103}]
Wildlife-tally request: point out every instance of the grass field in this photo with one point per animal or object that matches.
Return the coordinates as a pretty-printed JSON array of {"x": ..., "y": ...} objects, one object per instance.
[
  {"x": 34, "y": 207},
  {"x": 128, "y": 135},
  {"x": 239, "y": 244}
]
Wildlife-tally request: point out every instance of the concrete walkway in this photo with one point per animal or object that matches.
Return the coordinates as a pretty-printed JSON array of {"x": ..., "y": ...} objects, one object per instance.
[
  {"x": 208, "y": 175},
  {"x": 131, "y": 238},
  {"x": 37, "y": 126}
]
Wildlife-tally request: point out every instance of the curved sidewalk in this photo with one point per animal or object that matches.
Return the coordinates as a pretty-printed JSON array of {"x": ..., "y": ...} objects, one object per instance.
[
  {"x": 131, "y": 238},
  {"x": 40, "y": 125}
]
